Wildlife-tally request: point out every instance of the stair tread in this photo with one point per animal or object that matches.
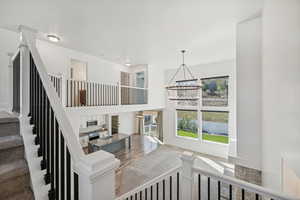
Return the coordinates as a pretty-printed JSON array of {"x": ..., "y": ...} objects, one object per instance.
[
  {"x": 26, "y": 195},
  {"x": 13, "y": 169},
  {"x": 11, "y": 141},
  {"x": 6, "y": 117}
]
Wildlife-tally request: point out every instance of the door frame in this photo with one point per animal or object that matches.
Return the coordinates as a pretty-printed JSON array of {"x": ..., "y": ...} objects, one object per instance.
[
  {"x": 77, "y": 60},
  {"x": 111, "y": 122}
]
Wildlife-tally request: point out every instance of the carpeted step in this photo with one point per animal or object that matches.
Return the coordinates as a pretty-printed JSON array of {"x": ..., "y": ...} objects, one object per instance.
[
  {"x": 14, "y": 179},
  {"x": 9, "y": 124},
  {"x": 11, "y": 149},
  {"x": 25, "y": 195}
]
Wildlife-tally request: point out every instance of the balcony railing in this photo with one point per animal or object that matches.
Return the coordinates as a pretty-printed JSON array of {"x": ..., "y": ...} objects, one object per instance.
[
  {"x": 86, "y": 93},
  {"x": 133, "y": 95}
]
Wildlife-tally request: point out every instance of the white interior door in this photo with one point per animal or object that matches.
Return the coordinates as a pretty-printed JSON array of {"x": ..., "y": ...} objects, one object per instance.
[{"x": 78, "y": 70}]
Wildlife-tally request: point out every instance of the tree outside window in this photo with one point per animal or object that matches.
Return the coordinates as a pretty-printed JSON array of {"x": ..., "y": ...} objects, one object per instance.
[
  {"x": 215, "y": 91},
  {"x": 187, "y": 123}
]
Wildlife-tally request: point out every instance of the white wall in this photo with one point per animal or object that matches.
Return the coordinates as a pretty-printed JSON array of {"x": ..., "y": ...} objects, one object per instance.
[
  {"x": 58, "y": 60},
  {"x": 8, "y": 44},
  {"x": 223, "y": 68},
  {"x": 281, "y": 87},
  {"x": 291, "y": 175},
  {"x": 156, "y": 92},
  {"x": 127, "y": 122},
  {"x": 249, "y": 83}
]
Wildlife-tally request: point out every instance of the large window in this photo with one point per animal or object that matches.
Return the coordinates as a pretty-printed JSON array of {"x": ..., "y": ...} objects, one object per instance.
[
  {"x": 187, "y": 123},
  {"x": 214, "y": 115},
  {"x": 215, "y": 91},
  {"x": 215, "y": 126}
]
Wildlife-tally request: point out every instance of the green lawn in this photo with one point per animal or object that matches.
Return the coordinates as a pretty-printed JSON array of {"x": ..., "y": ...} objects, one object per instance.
[
  {"x": 205, "y": 136},
  {"x": 187, "y": 134},
  {"x": 215, "y": 138}
]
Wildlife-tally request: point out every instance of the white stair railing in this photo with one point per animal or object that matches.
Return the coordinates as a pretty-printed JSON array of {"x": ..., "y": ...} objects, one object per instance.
[
  {"x": 95, "y": 173},
  {"x": 165, "y": 185},
  {"x": 57, "y": 82}
]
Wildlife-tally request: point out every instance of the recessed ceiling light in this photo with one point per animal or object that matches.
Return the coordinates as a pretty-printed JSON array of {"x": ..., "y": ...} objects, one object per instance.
[{"x": 53, "y": 38}]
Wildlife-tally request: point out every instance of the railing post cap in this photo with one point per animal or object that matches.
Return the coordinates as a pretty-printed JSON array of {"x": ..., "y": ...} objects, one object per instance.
[
  {"x": 96, "y": 164},
  {"x": 187, "y": 156}
]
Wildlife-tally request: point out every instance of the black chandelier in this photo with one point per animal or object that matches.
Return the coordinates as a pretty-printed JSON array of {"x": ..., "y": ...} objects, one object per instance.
[{"x": 186, "y": 89}]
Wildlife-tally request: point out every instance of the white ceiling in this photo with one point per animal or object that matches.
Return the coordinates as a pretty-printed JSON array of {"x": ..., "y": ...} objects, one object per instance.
[{"x": 143, "y": 31}]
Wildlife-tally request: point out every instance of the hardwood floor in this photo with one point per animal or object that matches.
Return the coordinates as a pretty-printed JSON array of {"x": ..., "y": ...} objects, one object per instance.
[
  {"x": 148, "y": 159},
  {"x": 140, "y": 146}
]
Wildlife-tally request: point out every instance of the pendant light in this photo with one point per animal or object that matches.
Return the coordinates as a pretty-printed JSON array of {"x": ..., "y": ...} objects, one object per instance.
[{"x": 184, "y": 89}]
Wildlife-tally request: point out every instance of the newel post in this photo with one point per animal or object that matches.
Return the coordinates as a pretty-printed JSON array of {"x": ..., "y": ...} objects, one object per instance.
[
  {"x": 25, "y": 73},
  {"x": 187, "y": 175},
  {"x": 97, "y": 176},
  {"x": 10, "y": 80}
]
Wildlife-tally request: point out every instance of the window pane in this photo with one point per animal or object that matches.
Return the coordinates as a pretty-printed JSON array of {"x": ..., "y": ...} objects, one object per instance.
[
  {"x": 147, "y": 119},
  {"x": 187, "y": 123},
  {"x": 187, "y": 93},
  {"x": 140, "y": 79},
  {"x": 215, "y": 91},
  {"x": 215, "y": 126}
]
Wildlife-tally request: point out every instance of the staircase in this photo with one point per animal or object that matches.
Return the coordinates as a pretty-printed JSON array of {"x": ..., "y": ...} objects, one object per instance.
[{"x": 14, "y": 173}]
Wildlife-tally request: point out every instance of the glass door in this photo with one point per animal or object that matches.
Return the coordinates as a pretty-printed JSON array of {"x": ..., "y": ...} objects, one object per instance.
[{"x": 151, "y": 124}]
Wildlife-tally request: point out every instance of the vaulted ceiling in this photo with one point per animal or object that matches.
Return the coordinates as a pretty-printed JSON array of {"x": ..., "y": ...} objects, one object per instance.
[{"x": 142, "y": 31}]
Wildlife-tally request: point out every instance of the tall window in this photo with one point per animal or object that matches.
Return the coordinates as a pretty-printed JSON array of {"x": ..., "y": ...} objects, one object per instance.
[
  {"x": 187, "y": 123},
  {"x": 213, "y": 126},
  {"x": 215, "y": 121}
]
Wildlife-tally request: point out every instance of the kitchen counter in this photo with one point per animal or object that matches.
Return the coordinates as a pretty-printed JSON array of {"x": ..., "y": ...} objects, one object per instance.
[
  {"x": 91, "y": 129},
  {"x": 111, "y": 144}
]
